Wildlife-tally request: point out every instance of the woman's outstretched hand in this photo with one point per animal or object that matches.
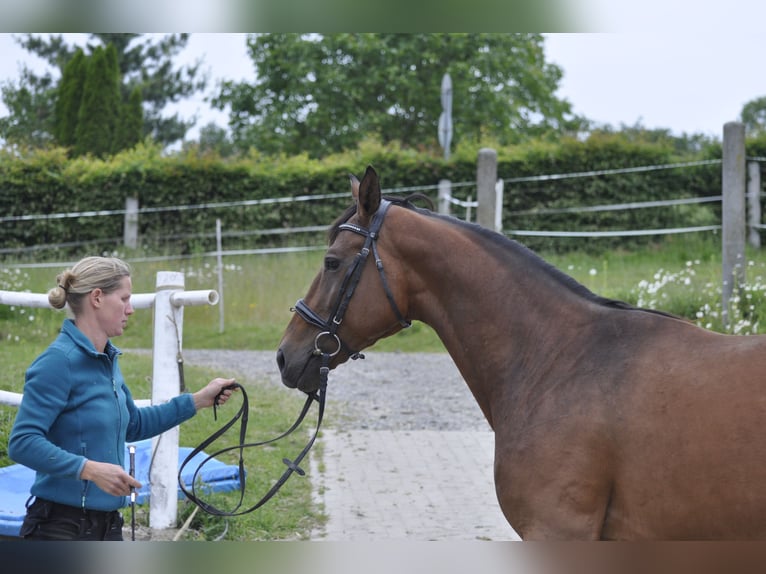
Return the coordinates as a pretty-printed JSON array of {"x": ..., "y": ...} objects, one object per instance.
[{"x": 206, "y": 396}]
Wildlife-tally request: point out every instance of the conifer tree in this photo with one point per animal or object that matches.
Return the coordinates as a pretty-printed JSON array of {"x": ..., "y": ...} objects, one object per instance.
[
  {"x": 100, "y": 108},
  {"x": 69, "y": 99},
  {"x": 131, "y": 123}
]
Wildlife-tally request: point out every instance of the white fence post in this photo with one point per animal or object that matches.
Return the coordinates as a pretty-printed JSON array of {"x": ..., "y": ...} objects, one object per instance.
[
  {"x": 732, "y": 214},
  {"x": 166, "y": 384},
  {"x": 486, "y": 179},
  {"x": 169, "y": 302},
  {"x": 754, "y": 203}
]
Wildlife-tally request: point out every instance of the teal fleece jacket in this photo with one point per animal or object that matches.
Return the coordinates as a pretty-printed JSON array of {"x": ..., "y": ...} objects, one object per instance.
[{"x": 77, "y": 407}]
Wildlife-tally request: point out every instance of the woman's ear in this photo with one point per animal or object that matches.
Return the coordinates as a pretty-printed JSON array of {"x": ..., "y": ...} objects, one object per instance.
[{"x": 95, "y": 297}]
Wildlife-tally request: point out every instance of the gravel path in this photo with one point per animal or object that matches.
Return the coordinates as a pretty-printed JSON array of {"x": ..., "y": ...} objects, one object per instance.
[{"x": 385, "y": 391}]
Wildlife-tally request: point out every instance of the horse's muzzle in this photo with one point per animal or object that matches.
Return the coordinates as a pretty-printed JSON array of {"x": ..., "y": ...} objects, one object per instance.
[
  {"x": 281, "y": 362},
  {"x": 302, "y": 375}
]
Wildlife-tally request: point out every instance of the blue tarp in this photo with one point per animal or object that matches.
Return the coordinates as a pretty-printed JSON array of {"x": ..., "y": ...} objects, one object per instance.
[{"x": 16, "y": 480}]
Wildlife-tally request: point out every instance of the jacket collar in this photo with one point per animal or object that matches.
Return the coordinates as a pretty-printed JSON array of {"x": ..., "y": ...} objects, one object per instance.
[{"x": 78, "y": 337}]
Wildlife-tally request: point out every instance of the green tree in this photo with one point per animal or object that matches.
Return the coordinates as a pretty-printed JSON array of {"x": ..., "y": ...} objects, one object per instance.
[
  {"x": 144, "y": 62},
  {"x": 753, "y": 115},
  {"x": 324, "y": 93},
  {"x": 69, "y": 99},
  {"x": 91, "y": 116},
  {"x": 130, "y": 124},
  {"x": 30, "y": 103},
  {"x": 99, "y": 112},
  {"x": 213, "y": 139},
  {"x": 148, "y": 65}
]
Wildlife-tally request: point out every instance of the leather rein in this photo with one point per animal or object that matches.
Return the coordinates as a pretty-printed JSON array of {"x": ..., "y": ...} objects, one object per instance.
[{"x": 328, "y": 328}]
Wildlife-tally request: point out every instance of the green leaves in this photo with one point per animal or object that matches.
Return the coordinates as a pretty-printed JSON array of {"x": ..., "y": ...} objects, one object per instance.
[
  {"x": 141, "y": 63},
  {"x": 321, "y": 94}
]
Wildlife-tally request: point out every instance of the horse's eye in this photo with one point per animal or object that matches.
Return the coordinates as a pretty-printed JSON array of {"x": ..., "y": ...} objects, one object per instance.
[{"x": 331, "y": 264}]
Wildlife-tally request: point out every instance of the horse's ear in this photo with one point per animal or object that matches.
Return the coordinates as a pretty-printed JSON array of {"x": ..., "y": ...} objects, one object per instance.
[
  {"x": 367, "y": 193},
  {"x": 354, "y": 186}
]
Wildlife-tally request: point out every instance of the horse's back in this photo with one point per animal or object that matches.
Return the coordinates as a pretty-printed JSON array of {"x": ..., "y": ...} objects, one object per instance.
[
  {"x": 690, "y": 436},
  {"x": 658, "y": 433}
]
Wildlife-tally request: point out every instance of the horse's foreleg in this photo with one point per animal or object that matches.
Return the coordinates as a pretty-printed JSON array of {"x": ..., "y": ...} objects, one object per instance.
[
  {"x": 553, "y": 497},
  {"x": 563, "y": 523}
]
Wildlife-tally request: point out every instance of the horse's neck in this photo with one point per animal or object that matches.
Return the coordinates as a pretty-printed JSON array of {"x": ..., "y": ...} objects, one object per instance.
[{"x": 492, "y": 310}]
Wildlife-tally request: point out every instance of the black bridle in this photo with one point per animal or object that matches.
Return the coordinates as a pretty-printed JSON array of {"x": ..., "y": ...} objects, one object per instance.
[{"x": 327, "y": 328}]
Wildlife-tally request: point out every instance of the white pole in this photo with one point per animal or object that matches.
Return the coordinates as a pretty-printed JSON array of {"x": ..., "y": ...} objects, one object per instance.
[
  {"x": 10, "y": 399},
  {"x": 754, "y": 203},
  {"x": 40, "y": 300},
  {"x": 36, "y": 300},
  {"x": 219, "y": 256},
  {"x": 192, "y": 298},
  {"x": 166, "y": 384},
  {"x": 499, "y": 205}
]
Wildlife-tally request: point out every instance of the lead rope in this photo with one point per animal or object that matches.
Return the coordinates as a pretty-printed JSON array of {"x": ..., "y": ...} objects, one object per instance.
[{"x": 242, "y": 416}]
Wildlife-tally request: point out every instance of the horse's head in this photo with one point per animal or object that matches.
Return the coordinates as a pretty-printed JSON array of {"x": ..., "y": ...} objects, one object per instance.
[{"x": 354, "y": 300}]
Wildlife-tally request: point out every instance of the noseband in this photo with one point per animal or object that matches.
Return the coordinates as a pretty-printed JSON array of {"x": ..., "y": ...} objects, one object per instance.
[{"x": 329, "y": 327}]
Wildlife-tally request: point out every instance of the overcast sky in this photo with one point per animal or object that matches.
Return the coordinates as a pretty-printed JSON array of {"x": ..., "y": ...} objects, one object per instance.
[{"x": 689, "y": 79}]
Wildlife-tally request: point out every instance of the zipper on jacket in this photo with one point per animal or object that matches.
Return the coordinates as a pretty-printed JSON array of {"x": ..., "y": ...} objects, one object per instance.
[
  {"x": 119, "y": 413},
  {"x": 84, "y": 450}
]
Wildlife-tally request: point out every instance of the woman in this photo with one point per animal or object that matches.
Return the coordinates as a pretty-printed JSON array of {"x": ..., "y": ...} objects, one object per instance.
[{"x": 77, "y": 413}]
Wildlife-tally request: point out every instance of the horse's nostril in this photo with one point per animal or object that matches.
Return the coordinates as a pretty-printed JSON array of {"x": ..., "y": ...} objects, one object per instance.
[{"x": 280, "y": 360}]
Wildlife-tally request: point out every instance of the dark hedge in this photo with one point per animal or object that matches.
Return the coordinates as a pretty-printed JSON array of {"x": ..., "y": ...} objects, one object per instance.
[{"x": 47, "y": 182}]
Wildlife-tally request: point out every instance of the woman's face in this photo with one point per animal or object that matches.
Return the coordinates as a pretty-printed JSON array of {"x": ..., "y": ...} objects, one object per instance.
[{"x": 115, "y": 308}]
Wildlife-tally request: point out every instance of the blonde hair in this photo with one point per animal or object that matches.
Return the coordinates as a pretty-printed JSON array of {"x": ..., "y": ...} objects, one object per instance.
[{"x": 90, "y": 273}]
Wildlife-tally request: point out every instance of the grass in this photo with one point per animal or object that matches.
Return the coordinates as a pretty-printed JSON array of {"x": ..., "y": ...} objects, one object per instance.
[{"x": 682, "y": 276}]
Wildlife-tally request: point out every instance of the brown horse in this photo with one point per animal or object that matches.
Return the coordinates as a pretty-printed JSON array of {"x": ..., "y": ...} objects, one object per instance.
[{"x": 610, "y": 422}]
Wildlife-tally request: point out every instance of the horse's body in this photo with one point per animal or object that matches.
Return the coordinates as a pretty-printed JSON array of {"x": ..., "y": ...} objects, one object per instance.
[{"x": 610, "y": 421}]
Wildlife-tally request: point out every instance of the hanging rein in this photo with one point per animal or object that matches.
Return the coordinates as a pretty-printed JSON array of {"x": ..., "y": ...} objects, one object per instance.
[{"x": 328, "y": 328}]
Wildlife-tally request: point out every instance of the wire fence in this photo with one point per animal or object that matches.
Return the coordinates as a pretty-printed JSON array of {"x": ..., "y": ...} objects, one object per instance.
[{"x": 467, "y": 188}]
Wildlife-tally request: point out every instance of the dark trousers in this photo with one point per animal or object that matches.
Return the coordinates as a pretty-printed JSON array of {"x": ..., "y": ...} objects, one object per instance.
[{"x": 46, "y": 520}]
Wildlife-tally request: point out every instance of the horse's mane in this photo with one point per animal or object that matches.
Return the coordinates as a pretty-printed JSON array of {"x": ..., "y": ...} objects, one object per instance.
[
  {"x": 566, "y": 281},
  {"x": 504, "y": 243}
]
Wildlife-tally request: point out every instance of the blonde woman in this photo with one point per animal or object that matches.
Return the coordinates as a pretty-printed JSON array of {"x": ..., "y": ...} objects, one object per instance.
[{"x": 78, "y": 413}]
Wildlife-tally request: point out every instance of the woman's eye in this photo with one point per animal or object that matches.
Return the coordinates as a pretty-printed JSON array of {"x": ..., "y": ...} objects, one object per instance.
[{"x": 331, "y": 264}]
